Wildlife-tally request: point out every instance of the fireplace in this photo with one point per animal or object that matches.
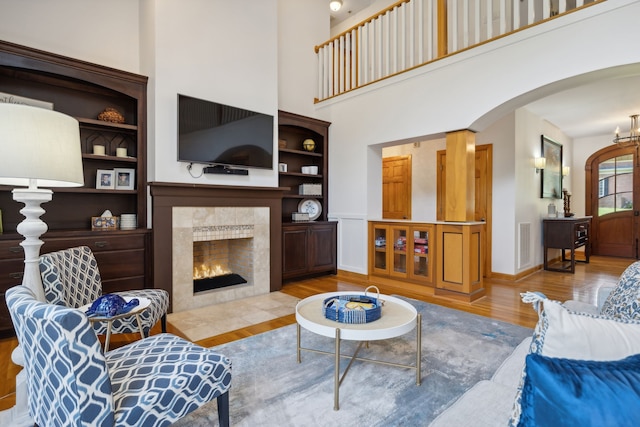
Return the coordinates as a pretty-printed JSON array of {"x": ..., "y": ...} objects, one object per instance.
[
  {"x": 232, "y": 240},
  {"x": 178, "y": 209},
  {"x": 224, "y": 261}
]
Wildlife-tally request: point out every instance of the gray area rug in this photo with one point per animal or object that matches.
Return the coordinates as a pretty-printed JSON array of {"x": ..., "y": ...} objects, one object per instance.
[{"x": 269, "y": 387}]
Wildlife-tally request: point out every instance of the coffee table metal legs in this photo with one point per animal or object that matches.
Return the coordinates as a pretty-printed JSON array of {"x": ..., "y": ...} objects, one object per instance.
[
  {"x": 418, "y": 348},
  {"x": 337, "y": 380},
  {"x": 336, "y": 373}
]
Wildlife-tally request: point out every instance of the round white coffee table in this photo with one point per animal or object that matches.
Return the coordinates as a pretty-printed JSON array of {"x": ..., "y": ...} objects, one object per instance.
[
  {"x": 135, "y": 311},
  {"x": 398, "y": 318}
]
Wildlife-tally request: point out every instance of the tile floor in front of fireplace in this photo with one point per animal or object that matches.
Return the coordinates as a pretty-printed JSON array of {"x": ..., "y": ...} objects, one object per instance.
[{"x": 217, "y": 319}]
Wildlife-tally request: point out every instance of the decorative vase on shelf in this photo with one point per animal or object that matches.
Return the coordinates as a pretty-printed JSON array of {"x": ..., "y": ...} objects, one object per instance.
[{"x": 309, "y": 144}]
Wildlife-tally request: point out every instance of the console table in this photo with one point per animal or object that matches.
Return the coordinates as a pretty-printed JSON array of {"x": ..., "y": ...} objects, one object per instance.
[{"x": 566, "y": 234}]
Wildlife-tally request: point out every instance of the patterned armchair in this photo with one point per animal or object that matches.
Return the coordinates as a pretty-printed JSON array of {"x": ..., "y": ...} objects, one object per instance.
[
  {"x": 71, "y": 278},
  {"x": 151, "y": 382}
]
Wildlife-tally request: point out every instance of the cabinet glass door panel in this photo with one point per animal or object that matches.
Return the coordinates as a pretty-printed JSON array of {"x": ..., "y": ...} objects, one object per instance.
[
  {"x": 420, "y": 268},
  {"x": 400, "y": 250},
  {"x": 380, "y": 248}
]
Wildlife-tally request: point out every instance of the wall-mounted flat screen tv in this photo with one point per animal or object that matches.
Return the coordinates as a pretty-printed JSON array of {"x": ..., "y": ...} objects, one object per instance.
[{"x": 217, "y": 134}]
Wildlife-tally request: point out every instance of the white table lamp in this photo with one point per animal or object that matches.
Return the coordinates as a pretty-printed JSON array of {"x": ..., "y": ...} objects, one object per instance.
[{"x": 40, "y": 148}]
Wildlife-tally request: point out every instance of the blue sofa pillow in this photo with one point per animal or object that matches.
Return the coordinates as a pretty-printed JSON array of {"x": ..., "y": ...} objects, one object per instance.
[{"x": 567, "y": 392}]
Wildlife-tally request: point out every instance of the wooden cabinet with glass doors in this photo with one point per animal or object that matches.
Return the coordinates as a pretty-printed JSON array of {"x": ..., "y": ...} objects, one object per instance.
[{"x": 401, "y": 251}]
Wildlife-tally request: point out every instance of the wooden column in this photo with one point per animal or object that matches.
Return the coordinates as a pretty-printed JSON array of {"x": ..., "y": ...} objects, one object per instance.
[{"x": 460, "y": 176}]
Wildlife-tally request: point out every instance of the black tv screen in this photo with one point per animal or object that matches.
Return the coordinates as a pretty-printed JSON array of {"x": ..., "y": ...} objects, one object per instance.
[{"x": 217, "y": 134}]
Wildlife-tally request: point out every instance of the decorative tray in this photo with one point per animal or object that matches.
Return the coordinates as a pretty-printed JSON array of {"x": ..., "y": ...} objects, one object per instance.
[{"x": 353, "y": 308}]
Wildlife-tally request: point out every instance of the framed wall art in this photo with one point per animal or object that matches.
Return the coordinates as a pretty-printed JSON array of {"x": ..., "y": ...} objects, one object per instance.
[{"x": 551, "y": 175}]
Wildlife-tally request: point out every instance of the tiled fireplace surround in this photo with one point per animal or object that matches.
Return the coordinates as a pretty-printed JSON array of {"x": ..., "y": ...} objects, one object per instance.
[{"x": 179, "y": 209}]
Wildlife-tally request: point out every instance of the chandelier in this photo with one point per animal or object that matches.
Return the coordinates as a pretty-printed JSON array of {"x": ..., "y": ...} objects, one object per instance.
[{"x": 634, "y": 134}]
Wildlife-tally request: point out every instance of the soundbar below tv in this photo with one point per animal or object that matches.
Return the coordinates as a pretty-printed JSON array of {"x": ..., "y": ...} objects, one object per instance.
[{"x": 216, "y": 134}]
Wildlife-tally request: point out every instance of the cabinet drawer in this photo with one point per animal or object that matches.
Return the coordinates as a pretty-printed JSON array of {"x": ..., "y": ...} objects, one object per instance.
[
  {"x": 11, "y": 272},
  {"x": 11, "y": 249},
  {"x": 6, "y": 327},
  {"x": 96, "y": 243},
  {"x": 125, "y": 284},
  {"x": 115, "y": 265}
]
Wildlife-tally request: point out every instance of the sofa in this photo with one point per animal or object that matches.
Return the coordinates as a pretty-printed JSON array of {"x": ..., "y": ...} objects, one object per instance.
[{"x": 600, "y": 336}]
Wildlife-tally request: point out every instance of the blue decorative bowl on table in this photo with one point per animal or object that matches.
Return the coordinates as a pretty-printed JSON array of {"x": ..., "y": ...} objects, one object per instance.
[{"x": 353, "y": 309}]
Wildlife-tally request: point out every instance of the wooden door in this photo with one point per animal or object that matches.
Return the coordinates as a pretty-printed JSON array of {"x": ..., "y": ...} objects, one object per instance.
[
  {"x": 396, "y": 187},
  {"x": 612, "y": 183},
  {"x": 483, "y": 194}
]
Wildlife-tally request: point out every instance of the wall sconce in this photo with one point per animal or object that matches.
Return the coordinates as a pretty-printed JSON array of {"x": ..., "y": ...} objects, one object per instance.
[
  {"x": 565, "y": 170},
  {"x": 540, "y": 163}
]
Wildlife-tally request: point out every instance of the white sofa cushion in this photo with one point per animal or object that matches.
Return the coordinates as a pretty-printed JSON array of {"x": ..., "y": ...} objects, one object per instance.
[
  {"x": 510, "y": 370},
  {"x": 564, "y": 333},
  {"x": 486, "y": 404}
]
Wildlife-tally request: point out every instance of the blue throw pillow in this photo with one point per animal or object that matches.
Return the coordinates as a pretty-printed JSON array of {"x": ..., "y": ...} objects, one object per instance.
[{"x": 567, "y": 392}]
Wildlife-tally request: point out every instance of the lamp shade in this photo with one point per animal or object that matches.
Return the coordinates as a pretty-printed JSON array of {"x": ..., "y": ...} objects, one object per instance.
[{"x": 40, "y": 145}]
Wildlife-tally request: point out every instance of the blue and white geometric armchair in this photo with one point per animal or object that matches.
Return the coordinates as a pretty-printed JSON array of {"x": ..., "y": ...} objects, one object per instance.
[
  {"x": 71, "y": 278},
  {"x": 71, "y": 382}
]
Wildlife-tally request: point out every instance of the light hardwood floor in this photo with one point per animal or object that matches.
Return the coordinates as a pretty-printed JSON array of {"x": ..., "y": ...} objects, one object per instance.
[{"x": 502, "y": 302}]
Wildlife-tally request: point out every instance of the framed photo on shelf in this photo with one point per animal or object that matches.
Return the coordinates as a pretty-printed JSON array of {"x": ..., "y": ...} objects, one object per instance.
[
  {"x": 551, "y": 175},
  {"x": 125, "y": 179},
  {"x": 7, "y": 98},
  {"x": 105, "y": 179}
]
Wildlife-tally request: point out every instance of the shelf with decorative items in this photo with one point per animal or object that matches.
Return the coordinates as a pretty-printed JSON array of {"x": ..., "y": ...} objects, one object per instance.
[
  {"x": 111, "y": 108},
  {"x": 302, "y": 164},
  {"x": 309, "y": 241}
]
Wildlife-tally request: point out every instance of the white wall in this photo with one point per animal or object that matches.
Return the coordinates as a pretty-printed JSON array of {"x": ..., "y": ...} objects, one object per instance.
[
  {"x": 201, "y": 51},
  {"x": 302, "y": 24},
  {"x": 102, "y": 32}
]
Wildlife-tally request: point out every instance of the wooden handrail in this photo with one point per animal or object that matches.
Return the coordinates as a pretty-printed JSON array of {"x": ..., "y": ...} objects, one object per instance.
[{"x": 361, "y": 23}]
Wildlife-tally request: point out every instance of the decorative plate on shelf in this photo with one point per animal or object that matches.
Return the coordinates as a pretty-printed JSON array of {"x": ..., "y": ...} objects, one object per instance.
[{"x": 312, "y": 207}]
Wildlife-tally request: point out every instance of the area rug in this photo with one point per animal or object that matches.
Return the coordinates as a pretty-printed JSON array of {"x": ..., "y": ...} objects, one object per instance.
[{"x": 269, "y": 387}]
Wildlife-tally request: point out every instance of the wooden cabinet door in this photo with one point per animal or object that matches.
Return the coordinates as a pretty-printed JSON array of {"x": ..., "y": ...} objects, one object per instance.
[
  {"x": 379, "y": 242},
  {"x": 421, "y": 245},
  {"x": 294, "y": 248},
  {"x": 322, "y": 247},
  {"x": 399, "y": 255}
]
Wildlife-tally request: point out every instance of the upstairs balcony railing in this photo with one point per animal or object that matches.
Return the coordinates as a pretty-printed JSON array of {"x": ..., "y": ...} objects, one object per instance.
[{"x": 412, "y": 33}]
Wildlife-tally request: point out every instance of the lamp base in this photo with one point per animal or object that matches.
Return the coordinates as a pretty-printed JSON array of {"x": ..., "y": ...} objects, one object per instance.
[{"x": 31, "y": 228}]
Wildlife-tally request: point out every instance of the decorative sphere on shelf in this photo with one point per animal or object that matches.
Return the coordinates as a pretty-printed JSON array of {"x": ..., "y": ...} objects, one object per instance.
[{"x": 309, "y": 144}]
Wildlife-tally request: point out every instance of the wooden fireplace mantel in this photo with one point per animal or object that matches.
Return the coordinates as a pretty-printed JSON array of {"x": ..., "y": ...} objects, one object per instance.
[{"x": 165, "y": 196}]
